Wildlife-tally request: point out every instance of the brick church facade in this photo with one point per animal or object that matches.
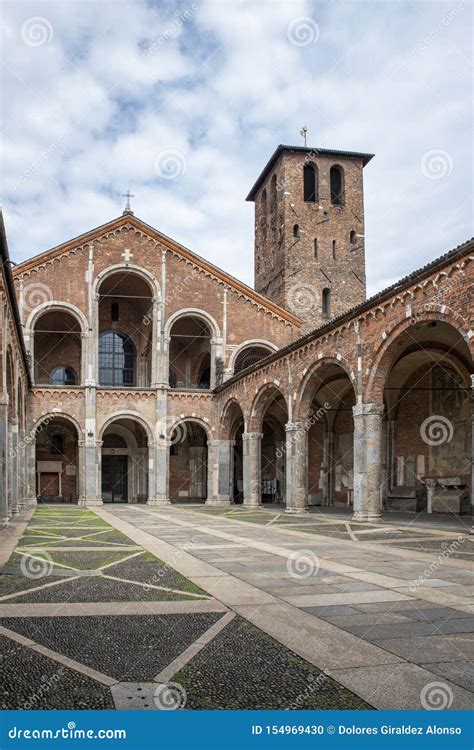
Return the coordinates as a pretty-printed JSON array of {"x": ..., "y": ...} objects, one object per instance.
[{"x": 135, "y": 371}]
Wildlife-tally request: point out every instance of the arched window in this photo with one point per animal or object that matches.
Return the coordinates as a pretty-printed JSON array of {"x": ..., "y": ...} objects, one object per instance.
[
  {"x": 296, "y": 230},
  {"x": 334, "y": 249},
  {"x": 315, "y": 246},
  {"x": 250, "y": 356},
  {"x": 326, "y": 302},
  {"x": 56, "y": 445},
  {"x": 62, "y": 375},
  {"x": 310, "y": 183},
  {"x": 273, "y": 193},
  {"x": 116, "y": 359},
  {"x": 353, "y": 237},
  {"x": 336, "y": 178},
  {"x": 263, "y": 211}
]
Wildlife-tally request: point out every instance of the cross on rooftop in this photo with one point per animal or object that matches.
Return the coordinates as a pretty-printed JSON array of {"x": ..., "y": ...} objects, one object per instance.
[
  {"x": 127, "y": 255},
  {"x": 127, "y": 209}
]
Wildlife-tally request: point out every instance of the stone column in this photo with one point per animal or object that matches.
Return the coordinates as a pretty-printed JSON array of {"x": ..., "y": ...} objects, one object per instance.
[
  {"x": 280, "y": 462},
  {"x": 21, "y": 470},
  {"x": 296, "y": 467},
  {"x": 197, "y": 468},
  {"x": 367, "y": 461},
  {"x": 13, "y": 462},
  {"x": 4, "y": 514},
  {"x": 219, "y": 467},
  {"x": 30, "y": 470},
  {"x": 92, "y": 480},
  {"x": 158, "y": 493},
  {"x": 327, "y": 467},
  {"x": 252, "y": 460}
]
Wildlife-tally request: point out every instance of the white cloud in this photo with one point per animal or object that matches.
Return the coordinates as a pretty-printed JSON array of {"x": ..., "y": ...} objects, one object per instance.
[{"x": 86, "y": 113}]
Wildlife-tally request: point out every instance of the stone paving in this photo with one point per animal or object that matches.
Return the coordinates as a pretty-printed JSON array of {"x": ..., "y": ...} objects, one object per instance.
[
  {"x": 388, "y": 611},
  {"x": 93, "y": 617}
]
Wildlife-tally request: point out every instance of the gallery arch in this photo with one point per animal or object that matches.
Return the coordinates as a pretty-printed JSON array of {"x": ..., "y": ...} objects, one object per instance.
[
  {"x": 124, "y": 461},
  {"x": 191, "y": 360},
  {"x": 57, "y": 460},
  {"x": 264, "y": 448},
  {"x": 57, "y": 348},
  {"x": 188, "y": 462}
]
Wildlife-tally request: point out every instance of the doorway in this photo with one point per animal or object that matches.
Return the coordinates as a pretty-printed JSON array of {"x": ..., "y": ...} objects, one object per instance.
[{"x": 114, "y": 479}]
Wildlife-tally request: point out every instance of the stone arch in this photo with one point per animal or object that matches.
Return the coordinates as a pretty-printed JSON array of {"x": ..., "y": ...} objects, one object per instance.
[
  {"x": 249, "y": 344},
  {"x": 226, "y": 419},
  {"x": 306, "y": 388},
  {"x": 128, "y": 414},
  {"x": 131, "y": 268},
  {"x": 51, "y": 306},
  {"x": 394, "y": 341},
  {"x": 264, "y": 396},
  {"x": 193, "y": 312},
  {"x": 51, "y": 416},
  {"x": 198, "y": 420}
]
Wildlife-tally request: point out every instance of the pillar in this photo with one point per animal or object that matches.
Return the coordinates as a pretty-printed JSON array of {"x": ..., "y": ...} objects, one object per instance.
[
  {"x": 158, "y": 490},
  {"x": 280, "y": 465},
  {"x": 296, "y": 467},
  {"x": 13, "y": 465},
  {"x": 91, "y": 451},
  {"x": 328, "y": 465},
  {"x": 197, "y": 468},
  {"x": 4, "y": 514},
  {"x": 252, "y": 458},
  {"x": 30, "y": 469},
  {"x": 367, "y": 461},
  {"x": 219, "y": 468}
]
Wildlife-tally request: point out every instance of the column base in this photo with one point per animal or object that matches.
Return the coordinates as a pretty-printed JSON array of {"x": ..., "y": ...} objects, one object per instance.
[
  {"x": 367, "y": 517},
  {"x": 252, "y": 505},
  {"x": 92, "y": 502},
  {"x": 218, "y": 502},
  {"x": 16, "y": 510},
  {"x": 296, "y": 511},
  {"x": 158, "y": 500}
]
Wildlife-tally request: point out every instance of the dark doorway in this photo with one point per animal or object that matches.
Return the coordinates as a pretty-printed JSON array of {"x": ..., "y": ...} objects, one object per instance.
[{"x": 114, "y": 479}]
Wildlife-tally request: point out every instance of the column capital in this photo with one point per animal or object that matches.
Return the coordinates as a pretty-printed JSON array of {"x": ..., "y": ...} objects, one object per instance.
[
  {"x": 252, "y": 435},
  {"x": 295, "y": 427},
  {"x": 362, "y": 409}
]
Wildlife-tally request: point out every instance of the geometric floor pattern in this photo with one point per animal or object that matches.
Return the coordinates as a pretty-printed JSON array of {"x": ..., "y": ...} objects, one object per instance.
[{"x": 91, "y": 618}]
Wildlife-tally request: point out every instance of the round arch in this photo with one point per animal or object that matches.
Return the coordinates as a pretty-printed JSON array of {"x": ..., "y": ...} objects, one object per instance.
[
  {"x": 225, "y": 421},
  {"x": 249, "y": 344},
  {"x": 197, "y": 420},
  {"x": 127, "y": 414},
  {"x": 308, "y": 382},
  {"x": 131, "y": 268},
  {"x": 261, "y": 400},
  {"x": 388, "y": 350},
  {"x": 193, "y": 312},
  {"x": 51, "y": 416},
  {"x": 52, "y": 306}
]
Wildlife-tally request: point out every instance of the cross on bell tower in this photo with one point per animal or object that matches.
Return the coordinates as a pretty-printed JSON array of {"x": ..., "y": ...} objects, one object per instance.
[{"x": 127, "y": 209}]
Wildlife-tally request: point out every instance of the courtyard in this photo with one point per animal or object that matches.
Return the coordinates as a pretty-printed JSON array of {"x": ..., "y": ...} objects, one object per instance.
[{"x": 194, "y": 607}]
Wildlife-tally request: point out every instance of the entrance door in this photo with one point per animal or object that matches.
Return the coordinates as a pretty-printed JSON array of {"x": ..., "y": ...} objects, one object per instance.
[{"x": 114, "y": 479}]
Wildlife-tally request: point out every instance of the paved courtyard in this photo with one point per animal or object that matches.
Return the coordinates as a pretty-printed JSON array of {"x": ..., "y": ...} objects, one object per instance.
[{"x": 131, "y": 606}]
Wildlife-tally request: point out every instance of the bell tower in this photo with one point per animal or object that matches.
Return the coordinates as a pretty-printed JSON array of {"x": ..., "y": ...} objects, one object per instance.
[{"x": 309, "y": 231}]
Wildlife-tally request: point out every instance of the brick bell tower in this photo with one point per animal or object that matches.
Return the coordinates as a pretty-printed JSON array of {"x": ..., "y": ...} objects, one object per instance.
[{"x": 309, "y": 231}]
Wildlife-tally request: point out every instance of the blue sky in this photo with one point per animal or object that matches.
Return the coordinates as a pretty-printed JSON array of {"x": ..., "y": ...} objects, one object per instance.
[{"x": 183, "y": 103}]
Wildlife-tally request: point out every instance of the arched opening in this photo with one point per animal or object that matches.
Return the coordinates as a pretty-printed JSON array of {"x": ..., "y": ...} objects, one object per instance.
[
  {"x": 326, "y": 303},
  {"x": 233, "y": 429},
  {"x": 427, "y": 425},
  {"x": 124, "y": 462},
  {"x": 315, "y": 247},
  {"x": 190, "y": 353},
  {"x": 272, "y": 415},
  {"x": 296, "y": 230},
  {"x": 57, "y": 349},
  {"x": 336, "y": 177},
  {"x": 57, "y": 461},
  {"x": 125, "y": 330},
  {"x": 334, "y": 246},
  {"x": 188, "y": 463},
  {"x": 263, "y": 212},
  {"x": 327, "y": 403},
  {"x": 353, "y": 237},
  {"x": 273, "y": 202},
  {"x": 310, "y": 183},
  {"x": 250, "y": 356}
]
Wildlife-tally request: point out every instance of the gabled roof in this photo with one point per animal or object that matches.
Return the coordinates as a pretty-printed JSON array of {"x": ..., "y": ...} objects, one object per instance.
[
  {"x": 184, "y": 252},
  {"x": 305, "y": 150}
]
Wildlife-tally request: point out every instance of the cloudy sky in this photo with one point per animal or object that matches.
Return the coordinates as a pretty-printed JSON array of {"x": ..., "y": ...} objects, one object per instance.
[{"x": 184, "y": 102}]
